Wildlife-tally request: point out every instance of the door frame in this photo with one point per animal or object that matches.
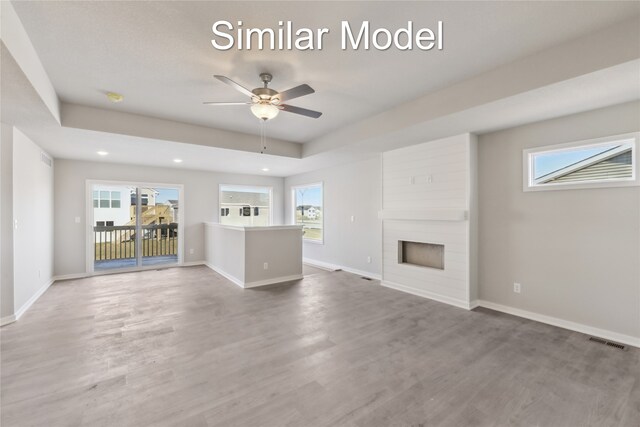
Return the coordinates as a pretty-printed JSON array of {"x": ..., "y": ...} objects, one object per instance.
[{"x": 89, "y": 221}]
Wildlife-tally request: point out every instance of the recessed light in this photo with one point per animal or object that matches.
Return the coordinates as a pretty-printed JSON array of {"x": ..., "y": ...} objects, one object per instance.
[
  {"x": 177, "y": 160},
  {"x": 114, "y": 97},
  {"x": 102, "y": 153},
  {"x": 265, "y": 169}
]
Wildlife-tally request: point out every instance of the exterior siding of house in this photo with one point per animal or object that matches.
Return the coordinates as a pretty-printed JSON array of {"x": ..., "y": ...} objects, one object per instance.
[
  {"x": 619, "y": 166},
  {"x": 236, "y": 200}
]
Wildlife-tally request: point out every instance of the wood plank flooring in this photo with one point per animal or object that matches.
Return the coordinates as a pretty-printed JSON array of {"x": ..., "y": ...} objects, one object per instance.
[{"x": 185, "y": 347}]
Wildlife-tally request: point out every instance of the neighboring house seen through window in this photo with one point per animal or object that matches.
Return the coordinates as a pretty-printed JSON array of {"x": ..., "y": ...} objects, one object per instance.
[
  {"x": 309, "y": 211},
  {"x": 605, "y": 162},
  {"x": 245, "y": 205}
]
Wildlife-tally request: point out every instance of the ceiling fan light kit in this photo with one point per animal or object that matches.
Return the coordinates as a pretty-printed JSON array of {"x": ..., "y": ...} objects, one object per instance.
[{"x": 264, "y": 111}]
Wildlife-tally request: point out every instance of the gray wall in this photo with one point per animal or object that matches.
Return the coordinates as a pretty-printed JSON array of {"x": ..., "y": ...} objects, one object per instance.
[
  {"x": 352, "y": 189},
  {"x": 33, "y": 211},
  {"x": 575, "y": 252},
  {"x": 200, "y": 199},
  {"x": 6, "y": 220}
]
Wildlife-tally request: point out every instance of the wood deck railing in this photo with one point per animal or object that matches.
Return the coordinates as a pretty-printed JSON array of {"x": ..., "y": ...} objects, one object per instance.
[{"x": 119, "y": 242}]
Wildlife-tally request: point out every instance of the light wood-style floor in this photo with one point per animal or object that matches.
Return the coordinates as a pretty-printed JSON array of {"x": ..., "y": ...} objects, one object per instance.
[{"x": 185, "y": 347}]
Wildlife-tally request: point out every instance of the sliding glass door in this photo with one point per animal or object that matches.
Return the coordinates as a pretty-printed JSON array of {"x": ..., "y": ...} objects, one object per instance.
[
  {"x": 134, "y": 226},
  {"x": 159, "y": 223}
]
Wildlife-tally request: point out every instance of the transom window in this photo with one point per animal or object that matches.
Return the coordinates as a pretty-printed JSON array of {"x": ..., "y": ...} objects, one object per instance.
[{"x": 605, "y": 162}]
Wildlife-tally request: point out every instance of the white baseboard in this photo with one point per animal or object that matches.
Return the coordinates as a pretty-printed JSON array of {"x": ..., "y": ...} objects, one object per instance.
[
  {"x": 273, "y": 281},
  {"x": 7, "y": 319},
  {"x": 321, "y": 264},
  {"x": 561, "y": 323},
  {"x": 119, "y": 271},
  {"x": 255, "y": 284},
  {"x": 192, "y": 263},
  {"x": 226, "y": 275},
  {"x": 71, "y": 276},
  {"x": 426, "y": 294},
  {"x": 333, "y": 267},
  {"x": 33, "y": 299}
]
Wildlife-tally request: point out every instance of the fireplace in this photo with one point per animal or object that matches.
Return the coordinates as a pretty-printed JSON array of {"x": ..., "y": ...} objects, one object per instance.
[{"x": 429, "y": 255}]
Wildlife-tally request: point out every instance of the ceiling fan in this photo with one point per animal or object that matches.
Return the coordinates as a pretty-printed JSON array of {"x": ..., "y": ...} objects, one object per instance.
[{"x": 265, "y": 102}]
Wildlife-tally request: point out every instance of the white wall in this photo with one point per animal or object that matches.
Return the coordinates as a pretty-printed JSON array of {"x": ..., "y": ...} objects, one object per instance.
[
  {"x": 576, "y": 253},
  {"x": 200, "y": 203},
  {"x": 33, "y": 211},
  {"x": 349, "y": 190},
  {"x": 6, "y": 221}
]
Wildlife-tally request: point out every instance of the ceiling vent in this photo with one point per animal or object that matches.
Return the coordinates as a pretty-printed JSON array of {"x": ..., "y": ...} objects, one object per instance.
[{"x": 46, "y": 159}]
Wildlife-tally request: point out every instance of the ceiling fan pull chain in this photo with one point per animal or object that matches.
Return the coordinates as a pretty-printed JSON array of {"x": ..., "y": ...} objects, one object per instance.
[{"x": 263, "y": 136}]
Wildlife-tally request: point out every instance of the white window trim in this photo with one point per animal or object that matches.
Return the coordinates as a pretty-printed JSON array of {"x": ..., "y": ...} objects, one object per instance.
[
  {"x": 293, "y": 209},
  {"x": 245, "y": 187},
  {"x": 528, "y": 155}
]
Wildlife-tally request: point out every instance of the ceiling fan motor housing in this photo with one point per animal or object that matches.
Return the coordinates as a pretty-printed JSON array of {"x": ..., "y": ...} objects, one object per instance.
[{"x": 266, "y": 94}]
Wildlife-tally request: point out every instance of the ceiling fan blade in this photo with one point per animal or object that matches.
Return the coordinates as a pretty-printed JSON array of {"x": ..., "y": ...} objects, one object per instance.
[
  {"x": 302, "y": 111},
  {"x": 296, "y": 92},
  {"x": 236, "y": 86},
  {"x": 227, "y": 103}
]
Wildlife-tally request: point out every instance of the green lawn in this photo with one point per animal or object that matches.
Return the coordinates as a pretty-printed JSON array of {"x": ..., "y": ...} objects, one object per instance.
[{"x": 312, "y": 233}]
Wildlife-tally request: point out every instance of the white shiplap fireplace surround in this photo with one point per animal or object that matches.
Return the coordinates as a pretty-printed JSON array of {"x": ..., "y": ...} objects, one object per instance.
[{"x": 429, "y": 196}]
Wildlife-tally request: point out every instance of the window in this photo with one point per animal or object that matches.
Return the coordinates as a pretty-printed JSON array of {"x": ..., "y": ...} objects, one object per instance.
[
  {"x": 308, "y": 211},
  {"x": 604, "y": 162},
  {"x": 115, "y": 199},
  {"x": 106, "y": 199},
  {"x": 245, "y": 205}
]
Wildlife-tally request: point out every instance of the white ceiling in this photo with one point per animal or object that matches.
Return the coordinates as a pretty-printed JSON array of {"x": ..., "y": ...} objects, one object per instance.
[{"x": 159, "y": 55}]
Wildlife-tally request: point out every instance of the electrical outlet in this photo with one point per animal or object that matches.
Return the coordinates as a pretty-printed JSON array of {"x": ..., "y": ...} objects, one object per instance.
[
  {"x": 368, "y": 260},
  {"x": 266, "y": 265},
  {"x": 353, "y": 218},
  {"x": 516, "y": 288},
  {"x": 191, "y": 251},
  {"x": 77, "y": 219}
]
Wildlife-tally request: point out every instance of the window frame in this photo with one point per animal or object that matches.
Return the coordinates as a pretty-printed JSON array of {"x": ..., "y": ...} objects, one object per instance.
[
  {"x": 294, "y": 205},
  {"x": 528, "y": 155},
  {"x": 245, "y": 186}
]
